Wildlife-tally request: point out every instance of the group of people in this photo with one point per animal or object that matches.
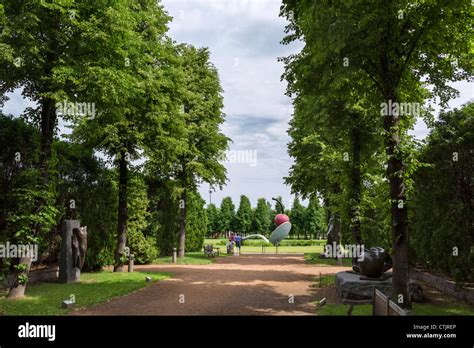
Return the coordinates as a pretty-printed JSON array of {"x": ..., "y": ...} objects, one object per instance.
[{"x": 235, "y": 240}]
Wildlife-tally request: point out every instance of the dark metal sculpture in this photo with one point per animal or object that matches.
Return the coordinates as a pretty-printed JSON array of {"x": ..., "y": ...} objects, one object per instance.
[{"x": 374, "y": 263}]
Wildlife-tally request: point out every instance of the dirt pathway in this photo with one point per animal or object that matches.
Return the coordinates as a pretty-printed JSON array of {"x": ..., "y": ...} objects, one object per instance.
[{"x": 235, "y": 285}]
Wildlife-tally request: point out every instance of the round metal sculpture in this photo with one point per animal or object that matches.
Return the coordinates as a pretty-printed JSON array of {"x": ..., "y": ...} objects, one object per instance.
[{"x": 374, "y": 263}]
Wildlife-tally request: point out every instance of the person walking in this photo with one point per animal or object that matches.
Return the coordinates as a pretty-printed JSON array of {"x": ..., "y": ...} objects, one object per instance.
[
  {"x": 231, "y": 243},
  {"x": 238, "y": 242}
]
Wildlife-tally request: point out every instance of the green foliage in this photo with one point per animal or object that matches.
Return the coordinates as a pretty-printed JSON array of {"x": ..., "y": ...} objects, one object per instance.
[
  {"x": 213, "y": 219},
  {"x": 297, "y": 218},
  {"x": 196, "y": 222},
  {"x": 243, "y": 217},
  {"x": 142, "y": 247},
  {"x": 191, "y": 258},
  {"x": 284, "y": 242},
  {"x": 27, "y": 221},
  {"x": 166, "y": 216},
  {"x": 314, "y": 218},
  {"x": 227, "y": 215},
  {"x": 442, "y": 237},
  {"x": 261, "y": 217},
  {"x": 86, "y": 179}
]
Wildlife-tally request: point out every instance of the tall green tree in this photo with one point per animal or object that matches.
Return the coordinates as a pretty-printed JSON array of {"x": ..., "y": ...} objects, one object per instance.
[
  {"x": 243, "y": 217},
  {"x": 227, "y": 216},
  {"x": 213, "y": 219},
  {"x": 297, "y": 218},
  {"x": 202, "y": 103},
  {"x": 127, "y": 77},
  {"x": 261, "y": 217},
  {"x": 443, "y": 197},
  {"x": 196, "y": 221},
  {"x": 314, "y": 219}
]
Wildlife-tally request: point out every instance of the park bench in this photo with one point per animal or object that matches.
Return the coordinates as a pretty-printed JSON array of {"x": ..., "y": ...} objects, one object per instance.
[
  {"x": 211, "y": 251},
  {"x": 381, "y": 305}
]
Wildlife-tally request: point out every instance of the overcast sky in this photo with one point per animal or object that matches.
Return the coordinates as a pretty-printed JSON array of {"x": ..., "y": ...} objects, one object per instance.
[{"x": 244, "y": 37}]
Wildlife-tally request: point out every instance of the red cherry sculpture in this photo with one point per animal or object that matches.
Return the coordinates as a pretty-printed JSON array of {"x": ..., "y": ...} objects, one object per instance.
[{"x": 281, "y": 218}]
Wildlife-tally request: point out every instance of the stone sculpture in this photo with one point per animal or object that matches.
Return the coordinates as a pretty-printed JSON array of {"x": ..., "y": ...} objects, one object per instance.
[{"x": 73, "y": 251}]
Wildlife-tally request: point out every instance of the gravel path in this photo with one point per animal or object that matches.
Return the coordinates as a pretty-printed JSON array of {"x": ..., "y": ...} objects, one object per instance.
[{"x": 234, "y": 285}]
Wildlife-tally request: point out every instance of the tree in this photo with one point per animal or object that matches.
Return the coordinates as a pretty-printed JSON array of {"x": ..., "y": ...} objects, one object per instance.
[
  {"x": 21, "y": 187},
  {"x": 141, "y": 246},
  {"x": 443, "y": 197},
  {"x": 199, "y": 155},
  {"x": 213, "y": 218},
  {"x": 196, "y": 221},
  {"x": 297, "y": 218},
  {"x": 261, "y": 217},
  {"x": 165, "y": 213},
  {"x": 394, "y": 45},
  {"x": 314, "y": 219},
  {"x": 50, "y": 48},
  {"x": 243, "y": 217},
  {"x": 127, "y": 77},
  {"x": 227, "y": 216}
]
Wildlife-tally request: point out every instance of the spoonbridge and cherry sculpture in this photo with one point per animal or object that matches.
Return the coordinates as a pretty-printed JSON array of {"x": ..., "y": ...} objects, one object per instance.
[{"x": 282, "y": 221}]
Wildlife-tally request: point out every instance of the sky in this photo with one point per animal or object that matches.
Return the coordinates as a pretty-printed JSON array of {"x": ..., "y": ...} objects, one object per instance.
[{"x": 244, "y": 37}]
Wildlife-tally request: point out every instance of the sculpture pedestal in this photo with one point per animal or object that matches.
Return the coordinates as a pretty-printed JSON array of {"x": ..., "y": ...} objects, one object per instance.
[{"x": 350, "y": 286}]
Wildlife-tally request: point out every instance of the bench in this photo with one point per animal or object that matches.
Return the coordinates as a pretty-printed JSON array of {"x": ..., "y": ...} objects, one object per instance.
[
  {"x": 211, "y": 251},
  {"x": 381, "y": 305}
]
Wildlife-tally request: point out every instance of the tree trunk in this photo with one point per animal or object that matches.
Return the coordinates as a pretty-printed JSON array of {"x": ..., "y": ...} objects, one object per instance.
[
  {"x": 355, "y": 185},
  {"x": 48, "y": 123},
  {"x": 122, "y": 213},
  {"x": 337, "y": 235},
  {"x": 395, "y": 170},
  {"x": 18, "y": 287},
  {"x": 182, "y": 225}
]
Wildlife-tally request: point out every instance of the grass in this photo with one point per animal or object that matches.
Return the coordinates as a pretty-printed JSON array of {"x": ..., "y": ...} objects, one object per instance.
[
  {"x": 93, "y": 288},
  {"x": 191, "y": 258},
  {"x": 257, "y": 249},
  {"x": 325, "y": 281},
  {"x": 449, "y": 305},
  {"x": 313, "y": 259}
]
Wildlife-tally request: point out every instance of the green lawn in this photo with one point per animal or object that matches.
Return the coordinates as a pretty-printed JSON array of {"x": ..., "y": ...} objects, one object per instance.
[
  {"x": 449, "y": 306},
  {"x": 94, "y": 288},
  {"x": 191, "y": 258},
  {"x": 257, "y": 249}
]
